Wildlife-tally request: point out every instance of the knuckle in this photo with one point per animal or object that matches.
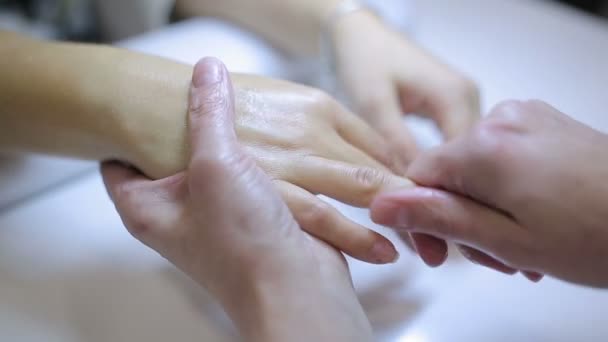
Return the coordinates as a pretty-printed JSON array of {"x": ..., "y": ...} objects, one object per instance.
[
  {"x": 212, "y": 101},
  {"x": 368, "y": 180},
  {"x": 320, "y": 98},
  {"x": 465, "y": 86},
  {"x": 320, "y": 103},
  {"x": 491, "y": 141},
  {"x": 509, "y": 115}
]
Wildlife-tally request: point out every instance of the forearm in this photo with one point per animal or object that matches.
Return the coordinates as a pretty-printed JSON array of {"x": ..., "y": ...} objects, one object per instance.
[
  {"x": 293, "y": 25},
  {"x": 93, "y": 102}
]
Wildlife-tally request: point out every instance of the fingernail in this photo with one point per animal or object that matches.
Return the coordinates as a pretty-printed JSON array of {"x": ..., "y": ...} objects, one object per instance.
[
  {"x": 434, "y": 258},
  {"x": 210, "y": 72},
  {"x": 383, "y": 252},
  {"x": 431, "y": 255},
  {"x": 533, "y": 276}
]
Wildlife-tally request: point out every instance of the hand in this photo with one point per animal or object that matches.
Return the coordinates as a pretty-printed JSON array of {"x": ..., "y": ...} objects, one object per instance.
[
  {"x": 308, "y": 144},
  {"x": 404, "y": 79},
  {"x": 224, "y": 224},
  {"x": 527, "y": 188},
  {"x": 385, "y": 75}
]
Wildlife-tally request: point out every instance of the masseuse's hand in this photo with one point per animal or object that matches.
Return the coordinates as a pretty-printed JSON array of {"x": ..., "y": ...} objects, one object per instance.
[
  {"x": 223, "y": 223},
  {"x": 527, "y": 187},
  {"x": 385, "y": 76}
]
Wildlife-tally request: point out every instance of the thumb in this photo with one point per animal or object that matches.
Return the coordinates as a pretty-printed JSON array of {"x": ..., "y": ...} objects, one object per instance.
[
  {"x": 211, "y": 110},
  {"x": 453, "y": 217}
]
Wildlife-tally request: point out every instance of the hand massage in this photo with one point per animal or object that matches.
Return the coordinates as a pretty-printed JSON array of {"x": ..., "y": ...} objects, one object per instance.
[{"x": 220, "y": 172}]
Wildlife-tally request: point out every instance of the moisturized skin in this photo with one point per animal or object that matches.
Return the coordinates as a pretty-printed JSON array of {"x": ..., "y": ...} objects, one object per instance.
[
  {"x": 383, "y": 73},
  {"x": 525, "y": 190},
  {"x": 224, "y": 224},
  {"x": 103, "y": 103}
]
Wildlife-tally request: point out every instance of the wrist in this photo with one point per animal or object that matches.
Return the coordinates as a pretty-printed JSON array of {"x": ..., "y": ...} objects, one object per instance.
[
  {"x": 150, "y": 109},
  {"x": 296, "y": 297},
  {"x": 306, "y": 308}
]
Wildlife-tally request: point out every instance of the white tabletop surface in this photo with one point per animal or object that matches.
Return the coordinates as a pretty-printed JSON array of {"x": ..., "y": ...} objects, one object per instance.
[{"x": 70, "y": 272}]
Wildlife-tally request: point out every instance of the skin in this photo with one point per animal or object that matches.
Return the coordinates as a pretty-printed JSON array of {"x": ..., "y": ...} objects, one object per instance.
[
  {"x": 102, "y": 103},
  {"x": 405, "y": 78},
  {"x": 224, "y": 224},
  {"x": 525, "y": 190}
]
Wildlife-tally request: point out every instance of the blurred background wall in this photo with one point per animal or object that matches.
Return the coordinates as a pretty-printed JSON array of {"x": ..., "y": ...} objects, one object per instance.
[{"x": 86, "y": 20}]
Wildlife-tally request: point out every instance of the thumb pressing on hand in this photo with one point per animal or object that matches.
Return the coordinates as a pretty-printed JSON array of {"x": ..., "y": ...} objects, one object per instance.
[{"x": 211, "y": 111}]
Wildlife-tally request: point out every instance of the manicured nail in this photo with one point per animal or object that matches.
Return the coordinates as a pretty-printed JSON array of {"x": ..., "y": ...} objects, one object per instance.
[
  {"x": 211, "y": 73},
  {"x": 383, "y": 252}
]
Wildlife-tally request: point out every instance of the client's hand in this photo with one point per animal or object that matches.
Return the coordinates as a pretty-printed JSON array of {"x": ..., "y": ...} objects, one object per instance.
[
  {"x": 525, "y": 190},
  {"x": 224, "y": 224},
  {"x": 385, "y": 76},
  {"x": 308, "y": 144}
]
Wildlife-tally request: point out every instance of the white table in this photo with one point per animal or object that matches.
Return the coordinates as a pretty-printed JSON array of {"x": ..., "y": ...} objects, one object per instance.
[{"x": 70, "y": 272}]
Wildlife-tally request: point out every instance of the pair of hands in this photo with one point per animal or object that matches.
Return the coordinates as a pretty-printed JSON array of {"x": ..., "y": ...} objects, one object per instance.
[
  {"x": 309, "y": 144},
  {"x": 223, "y": 222},
  {"x": 525, "y": 190}
]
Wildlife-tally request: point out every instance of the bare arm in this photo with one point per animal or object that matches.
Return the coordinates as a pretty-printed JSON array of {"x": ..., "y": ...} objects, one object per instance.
[
  {"x": 92, "y": 102},
  {"x": 293, "y": 25}
]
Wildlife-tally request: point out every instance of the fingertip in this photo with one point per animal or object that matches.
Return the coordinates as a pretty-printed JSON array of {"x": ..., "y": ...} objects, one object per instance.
[
  {"x": 534, "y": 277},
  {"x": 383, "y": 251},
  {"x": 433, "y": 251},
  {"x": 207, "y": 71}
]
